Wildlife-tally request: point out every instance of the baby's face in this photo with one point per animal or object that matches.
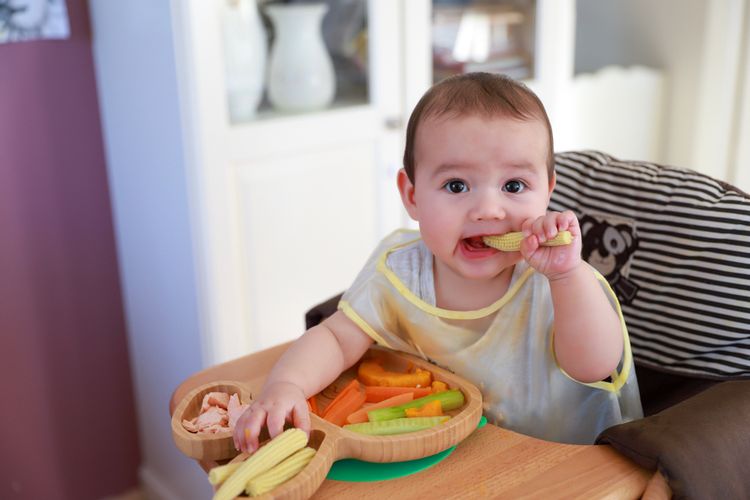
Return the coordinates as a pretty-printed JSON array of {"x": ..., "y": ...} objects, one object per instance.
[{"x": 477, "y": 176}]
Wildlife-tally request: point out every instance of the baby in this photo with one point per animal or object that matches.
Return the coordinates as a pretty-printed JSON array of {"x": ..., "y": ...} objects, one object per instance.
[{"x": 538, "y": 330}]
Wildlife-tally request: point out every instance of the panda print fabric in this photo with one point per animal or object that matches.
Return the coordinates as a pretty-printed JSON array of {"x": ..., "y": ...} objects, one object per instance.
[
  {"x": 675, "y": 247},
  {"x": 608, "y": 245}
]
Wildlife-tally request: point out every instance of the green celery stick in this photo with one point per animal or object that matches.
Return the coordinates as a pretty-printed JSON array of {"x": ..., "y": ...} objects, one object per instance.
[
  {"x": 449, "y": 400},
  {"x": 396, "y": 426}
]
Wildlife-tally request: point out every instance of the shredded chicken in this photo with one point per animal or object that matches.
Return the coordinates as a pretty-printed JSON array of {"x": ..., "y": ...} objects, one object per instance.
[
  {"x": 219, "y": 412},
  {"x": 220, "y": 399}
]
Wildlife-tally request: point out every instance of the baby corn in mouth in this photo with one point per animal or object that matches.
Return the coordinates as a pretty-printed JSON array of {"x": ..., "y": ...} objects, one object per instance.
[{"x": 511, "y": 242}]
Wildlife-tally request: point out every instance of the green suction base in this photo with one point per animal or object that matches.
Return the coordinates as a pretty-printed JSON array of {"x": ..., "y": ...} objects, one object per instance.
[{"x": 357, "y": 471}]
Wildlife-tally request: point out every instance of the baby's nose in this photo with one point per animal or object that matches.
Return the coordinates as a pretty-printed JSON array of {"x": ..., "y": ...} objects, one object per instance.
[{"x": 487, "y": 205}]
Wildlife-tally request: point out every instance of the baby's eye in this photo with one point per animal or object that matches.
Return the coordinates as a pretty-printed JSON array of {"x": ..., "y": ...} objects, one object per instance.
[
  {"x": 514, "y": 186},
  {"x": 455, "y": 186}
]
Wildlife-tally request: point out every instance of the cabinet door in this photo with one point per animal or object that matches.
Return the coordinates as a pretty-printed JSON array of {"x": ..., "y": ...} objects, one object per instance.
[
  {"x": 307, "y": 228},
  {"x": 287, "y": 207},
  {"x": 531, "y": 40}
]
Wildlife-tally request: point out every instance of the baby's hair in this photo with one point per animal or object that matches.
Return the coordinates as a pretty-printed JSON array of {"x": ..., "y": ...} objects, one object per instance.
[{"x": 485, "y": 94}]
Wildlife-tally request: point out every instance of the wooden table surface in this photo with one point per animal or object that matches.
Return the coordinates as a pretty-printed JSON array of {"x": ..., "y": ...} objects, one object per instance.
[{"x": 491, "y": 463}]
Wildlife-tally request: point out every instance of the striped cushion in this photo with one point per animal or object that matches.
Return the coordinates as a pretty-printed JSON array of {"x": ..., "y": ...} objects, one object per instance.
[{"x": 675, "y": 246}]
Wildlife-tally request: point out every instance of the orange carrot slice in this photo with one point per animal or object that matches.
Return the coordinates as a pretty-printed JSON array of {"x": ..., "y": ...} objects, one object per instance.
[
  {"x": 312, "y": 405},
  {"x": 431, "y": 409},
  {"x": 372, "y": 373},
  {"x": 376, "y": 394},
  {"x": 349, "y": 400},
  {"x": 438, "y": 386},
  {"x": 352, "y": 385},
  {"x": 360, "y": 415}
]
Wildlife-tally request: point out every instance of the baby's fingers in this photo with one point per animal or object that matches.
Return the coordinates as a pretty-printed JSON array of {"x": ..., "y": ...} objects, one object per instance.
[
  {"x": 537, "y": 228},
  {"x": 301, "y": 417},
  {"x": 567, "y": 221},
  {"x": 252, "y": 427},
  {"x": 526, "y": 227},
  {"x": 277, "y": 417},
  {"x": 550, "y": 228},
  {"x": 239, "y": 429}
]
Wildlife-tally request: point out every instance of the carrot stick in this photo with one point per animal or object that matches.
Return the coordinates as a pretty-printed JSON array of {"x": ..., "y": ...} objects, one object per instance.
[
  {"x": 354, "y": 384},
  {"x": 360, "y": 416},
  {"x": 375, "y": 394},
  {"x": 347, "y": 402},
  {"x": 312, "y": 405}
]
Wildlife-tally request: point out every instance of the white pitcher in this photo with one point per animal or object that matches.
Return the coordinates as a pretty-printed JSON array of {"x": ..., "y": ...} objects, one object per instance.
[
  {"x": 301, "y": 75},
  {"x": 245, "y": 55}
]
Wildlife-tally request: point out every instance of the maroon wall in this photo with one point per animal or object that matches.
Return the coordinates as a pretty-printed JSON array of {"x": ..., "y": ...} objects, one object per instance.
[{"x": 67, "y": 425}]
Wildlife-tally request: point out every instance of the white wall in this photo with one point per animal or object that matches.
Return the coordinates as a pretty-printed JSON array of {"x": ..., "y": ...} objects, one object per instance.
[
  {"x": 618, "y": 110},
  {"x": 135, "y": 70},
  {"x": 702, "y": 46},
  {"x": 741, "y": 155},
  {"x": 667, "y": 34}
]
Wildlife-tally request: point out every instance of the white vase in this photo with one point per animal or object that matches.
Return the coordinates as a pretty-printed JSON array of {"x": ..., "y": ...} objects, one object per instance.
[
  {"x": 301, "y": 75},
  {"x": 245, "y": 56}
]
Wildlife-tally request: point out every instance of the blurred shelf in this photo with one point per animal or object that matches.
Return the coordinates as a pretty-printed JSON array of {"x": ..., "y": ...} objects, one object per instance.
[{"x": 275, "y": 133}]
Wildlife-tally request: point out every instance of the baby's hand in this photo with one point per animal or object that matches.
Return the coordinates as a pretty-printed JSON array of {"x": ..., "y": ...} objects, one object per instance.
[
  {"x": 278, "y": 403},
  {"x": 553, "y": 262}
]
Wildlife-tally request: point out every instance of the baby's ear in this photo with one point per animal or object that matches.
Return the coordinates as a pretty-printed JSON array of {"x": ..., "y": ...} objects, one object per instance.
[
  {"x": 552, "y": 182},
  {"x": 406, "y": 189}
]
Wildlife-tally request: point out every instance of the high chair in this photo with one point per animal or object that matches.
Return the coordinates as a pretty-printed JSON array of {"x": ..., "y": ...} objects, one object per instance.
[{"x": 675, "y": 247}]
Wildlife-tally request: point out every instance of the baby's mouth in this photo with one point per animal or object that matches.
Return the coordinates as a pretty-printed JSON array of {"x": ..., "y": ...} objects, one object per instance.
[{"x": 475, "y": 242}]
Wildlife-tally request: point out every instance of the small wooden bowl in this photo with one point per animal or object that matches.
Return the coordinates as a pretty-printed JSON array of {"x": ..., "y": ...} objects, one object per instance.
[{"x": 205, "y": 446}]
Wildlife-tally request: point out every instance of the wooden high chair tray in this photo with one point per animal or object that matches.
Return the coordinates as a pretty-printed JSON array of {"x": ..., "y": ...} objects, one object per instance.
[{"x": 490, "y": 462}]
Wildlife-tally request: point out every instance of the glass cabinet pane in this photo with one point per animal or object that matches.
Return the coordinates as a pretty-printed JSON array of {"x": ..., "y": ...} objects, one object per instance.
[
  {"x": 345, "y": 34},
  {"x": 475, "y": 35},
  {"x": 344, "y": 31}
]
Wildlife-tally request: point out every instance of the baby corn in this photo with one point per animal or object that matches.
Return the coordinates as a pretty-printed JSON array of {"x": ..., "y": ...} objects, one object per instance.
[
  {"x": 219, "y": 474},
  {"x": 511, "y": 242},
  {"x": 280, "y": 473},
  {"x": 262, "y": 460}
]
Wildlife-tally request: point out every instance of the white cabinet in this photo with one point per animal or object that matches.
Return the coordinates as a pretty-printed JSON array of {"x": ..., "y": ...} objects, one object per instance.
[
  {"x": 285, "y": 208},
  {"x": 307, "y": 221},
  {"x": 551, "y": 46}
]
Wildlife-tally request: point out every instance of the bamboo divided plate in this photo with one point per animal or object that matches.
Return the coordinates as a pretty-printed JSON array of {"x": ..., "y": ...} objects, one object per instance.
[{"x": 335, "y": 443}]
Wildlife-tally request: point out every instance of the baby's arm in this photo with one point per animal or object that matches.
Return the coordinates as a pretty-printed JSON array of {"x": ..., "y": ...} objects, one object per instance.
[
  {"x": 588, "y": 335},
  {"x": 309, "y": 365},
  {"x": 588, "y": 338}
]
